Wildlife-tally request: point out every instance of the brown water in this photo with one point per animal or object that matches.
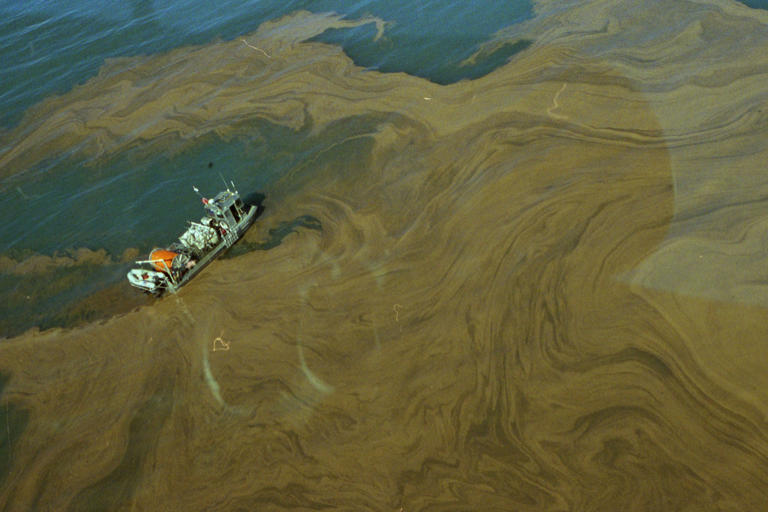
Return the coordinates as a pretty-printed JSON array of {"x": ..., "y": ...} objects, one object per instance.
[{"x": 539, "y": 290}]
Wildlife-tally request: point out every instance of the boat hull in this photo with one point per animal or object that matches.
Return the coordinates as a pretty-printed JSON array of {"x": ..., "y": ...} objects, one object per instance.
[
  {"x": 219, "y": 249},
  {"x": 173, "y": 267}
]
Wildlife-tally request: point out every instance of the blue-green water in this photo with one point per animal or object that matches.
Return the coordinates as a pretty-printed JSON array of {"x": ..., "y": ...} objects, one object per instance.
[
  {"x": 756, "y": 4},
  {"x": 55, "y": 46}
]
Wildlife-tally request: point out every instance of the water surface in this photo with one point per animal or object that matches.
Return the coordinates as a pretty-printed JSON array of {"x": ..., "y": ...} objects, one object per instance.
[{"x": 525, "y": 275}]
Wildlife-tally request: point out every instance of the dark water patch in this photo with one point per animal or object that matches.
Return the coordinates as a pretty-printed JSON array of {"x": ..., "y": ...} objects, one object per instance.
[
  {"x": 755, "y": 4},
  {"x": 356, "y": 43},
  {"x": 102, "y": 304},
  {"x": 13, "y": 421},
  {"x": 64, "y": 297},
  {"x": 275, "y": 235},
  {"x": 255, "y": 199},
  {"x": 430, "y": 40}
]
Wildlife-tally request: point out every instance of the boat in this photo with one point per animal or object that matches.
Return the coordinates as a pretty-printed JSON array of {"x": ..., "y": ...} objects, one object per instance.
[{"x": 167, "y": 269}]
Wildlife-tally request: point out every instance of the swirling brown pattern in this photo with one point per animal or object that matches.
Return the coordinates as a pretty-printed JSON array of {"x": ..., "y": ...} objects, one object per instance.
[{"x": 476, "y": 326}]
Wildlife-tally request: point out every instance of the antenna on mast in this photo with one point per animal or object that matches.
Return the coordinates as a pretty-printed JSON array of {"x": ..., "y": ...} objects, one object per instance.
[{"x": 225, "y": 182}]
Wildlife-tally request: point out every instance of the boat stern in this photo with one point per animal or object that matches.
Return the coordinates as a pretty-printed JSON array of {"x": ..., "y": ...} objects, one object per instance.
[{"x": 150, "y": 281}]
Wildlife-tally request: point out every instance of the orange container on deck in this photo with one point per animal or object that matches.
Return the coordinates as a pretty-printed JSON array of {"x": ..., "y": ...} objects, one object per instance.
[{"x": 160, "y": 256}]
